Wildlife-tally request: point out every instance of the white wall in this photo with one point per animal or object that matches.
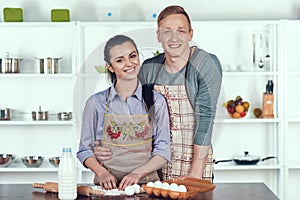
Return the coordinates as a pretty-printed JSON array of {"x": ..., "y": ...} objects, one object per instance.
[{"x": 141, "y": 10}]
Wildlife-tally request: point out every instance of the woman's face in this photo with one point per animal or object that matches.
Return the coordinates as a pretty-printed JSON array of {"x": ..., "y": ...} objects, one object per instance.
[
  {"x": 174, "y": 33},
  {"x": 125, "y": 62}
]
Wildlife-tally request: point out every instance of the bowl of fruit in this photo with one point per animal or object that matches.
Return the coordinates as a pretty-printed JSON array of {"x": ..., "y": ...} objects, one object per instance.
[{"x": 237, "y": 108}]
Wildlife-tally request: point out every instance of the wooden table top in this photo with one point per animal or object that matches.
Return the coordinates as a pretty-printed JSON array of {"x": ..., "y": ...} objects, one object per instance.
[{"x": 223, "y": 191}]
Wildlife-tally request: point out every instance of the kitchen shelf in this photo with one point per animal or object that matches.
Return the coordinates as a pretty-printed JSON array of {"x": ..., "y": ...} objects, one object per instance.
[
  {"x": 233, "y": 167},
  {"x": 24, "y": 91},
  {"x": 248, "y": 120},
  {"x": 29, "y": 75},
  {"x": 294, "y": 165},
  {"x": 36, "y": 24},
  {"x": 34, "y": 123},
  {"x": 293, "y": 72},
  {"x": 18, "y": 166},
  {"x": 293, "y": 120},
  {"x": 256, "y": 73},
  {"x": 28, "y": 169}
]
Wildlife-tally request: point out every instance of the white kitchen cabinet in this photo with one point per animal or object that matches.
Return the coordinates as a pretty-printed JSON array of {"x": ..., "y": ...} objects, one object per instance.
[
  {"x": 24, "y": 92},
  {"x": 291, "y": 62},
  {"x": 232, "y": 42}
]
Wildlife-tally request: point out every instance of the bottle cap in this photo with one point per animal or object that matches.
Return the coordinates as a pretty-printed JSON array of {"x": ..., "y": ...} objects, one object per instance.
[{"x": 67, "y": 149}]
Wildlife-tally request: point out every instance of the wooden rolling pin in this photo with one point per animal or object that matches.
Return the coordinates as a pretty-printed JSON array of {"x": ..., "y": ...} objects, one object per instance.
[{"x": 81, "y": 190}]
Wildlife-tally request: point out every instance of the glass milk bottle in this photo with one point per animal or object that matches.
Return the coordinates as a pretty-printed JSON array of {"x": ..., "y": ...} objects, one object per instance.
[{"x": 67, "y": 176}]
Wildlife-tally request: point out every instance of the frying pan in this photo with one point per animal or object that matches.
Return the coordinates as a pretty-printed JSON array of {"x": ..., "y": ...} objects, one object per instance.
[{"x": 246, "y": 159}]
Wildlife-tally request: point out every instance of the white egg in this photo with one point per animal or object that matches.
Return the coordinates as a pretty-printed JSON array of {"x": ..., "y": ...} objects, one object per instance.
[
  {"x": 165, "y": 186},
  {"x": 173, "y": 187},
  {"x": 129, "y": 190},
  {"x": 150, "y": 184},
  {"x": 137, "y": 188},
  {"x": 157, "y": 184},
  {"x": 113, "y": 192},
  {"x": 182, "y": 188}
]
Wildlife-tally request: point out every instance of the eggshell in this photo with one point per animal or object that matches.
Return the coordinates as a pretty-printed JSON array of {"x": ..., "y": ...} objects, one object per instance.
[
  {"x": 129, "y": 190},
  {"x": 150, "y": 184},
  {"x": 137, "y": 188},
  {"x": 157, "y": 184},
  {"x": 165, "y": 186},
  {"x": 182, "y": 188},
  {"x": 173, "y": 187}
]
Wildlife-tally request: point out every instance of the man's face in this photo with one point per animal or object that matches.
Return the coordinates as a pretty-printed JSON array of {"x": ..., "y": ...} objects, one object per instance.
[{"x": 174, "y": 34}]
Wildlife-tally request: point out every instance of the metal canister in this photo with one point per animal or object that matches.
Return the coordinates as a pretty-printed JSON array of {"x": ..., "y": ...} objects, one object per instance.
[
  {"x": 5, "y": 114},
  {"x": 10, "y": 64},
  {"x": 48, "y": 65},
  {"x": 39, "y": 115}
]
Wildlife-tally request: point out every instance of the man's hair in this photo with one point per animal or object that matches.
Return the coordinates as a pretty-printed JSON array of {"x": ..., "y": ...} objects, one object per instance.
[{"x": 171, "y": 10}]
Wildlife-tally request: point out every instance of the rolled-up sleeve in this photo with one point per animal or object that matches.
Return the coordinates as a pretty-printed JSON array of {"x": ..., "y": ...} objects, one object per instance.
[{"x": 161, "y": 137}]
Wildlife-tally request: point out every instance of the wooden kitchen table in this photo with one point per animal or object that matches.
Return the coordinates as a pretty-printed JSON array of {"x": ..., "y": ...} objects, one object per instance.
[{"x": 223, "y": 191}]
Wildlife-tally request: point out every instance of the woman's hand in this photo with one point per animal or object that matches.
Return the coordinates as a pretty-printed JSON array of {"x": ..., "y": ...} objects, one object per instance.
[
  {"x": 101, "y": 153},
  {"x": 107, "y": 181},
  {"x": 129, "y": 179}
]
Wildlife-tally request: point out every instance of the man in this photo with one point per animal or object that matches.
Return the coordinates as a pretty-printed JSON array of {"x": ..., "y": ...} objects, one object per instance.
[{"x": 190, "y": 79}]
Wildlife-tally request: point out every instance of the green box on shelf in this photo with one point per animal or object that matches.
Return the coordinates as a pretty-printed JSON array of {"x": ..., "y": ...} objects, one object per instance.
[
  {"x": 60, "y": 15},
  {"x": 13, "y": 14}
]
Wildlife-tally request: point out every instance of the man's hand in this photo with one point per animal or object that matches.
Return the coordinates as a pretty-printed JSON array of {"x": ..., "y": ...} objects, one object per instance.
[
  {"x": 199, "y": 161},
  {"x": 101, "y": 153},
  {"x": 107, "y": 181}
]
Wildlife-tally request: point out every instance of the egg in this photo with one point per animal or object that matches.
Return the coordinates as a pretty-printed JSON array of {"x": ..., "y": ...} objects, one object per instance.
[
  {"x": 129, "y": 190},
  {"x": 137, "y": 188},
  {"x": 150, "y": 184},
  {"x": 157, "y": 184},
  {"x": 173, "y": 187},
  {"x": 113, "y": 192},
  {"x": 165, "y": 185},
  {"x": 182, "y": 188}
]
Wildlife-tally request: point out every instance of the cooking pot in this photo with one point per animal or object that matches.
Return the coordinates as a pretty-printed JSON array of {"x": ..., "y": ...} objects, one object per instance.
[
  {"x": 48, "y": 65},
  {"x": 64, "y": 115},
  {"x": 40, "y": 115},
  {"x": 5, "y": 114},
  {"x": 10, "y": 64},
  {"x": 245, "y": 159}
]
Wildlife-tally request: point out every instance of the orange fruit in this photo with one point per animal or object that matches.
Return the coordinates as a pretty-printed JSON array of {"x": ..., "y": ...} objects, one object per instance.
[
  {"x": 239, "y": 108},
  {"x": 236, "y": 115}
]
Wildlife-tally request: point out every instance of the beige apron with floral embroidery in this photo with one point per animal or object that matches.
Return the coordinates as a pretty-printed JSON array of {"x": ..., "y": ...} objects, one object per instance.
[
  {"x": 182, "y": 125},
  {"x": 130, "y": 139}
]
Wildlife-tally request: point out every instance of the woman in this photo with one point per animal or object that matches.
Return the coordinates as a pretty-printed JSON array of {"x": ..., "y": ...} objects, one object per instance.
[{"x": 119, "y": 118}]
